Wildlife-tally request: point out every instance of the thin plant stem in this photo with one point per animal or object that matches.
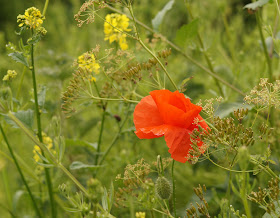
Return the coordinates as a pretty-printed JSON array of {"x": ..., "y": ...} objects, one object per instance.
[
  {"x": 37, "y": 110},
  {"x": 101, "y": 127},
  {"x": 209, "y": 63},
  {"x": 244, "y": 195},
  {"x": 7, "y": 188},
  {"x": 21, "y": 81},
  {"x": 114, "y": 140},
  {"x": 277, "y": 6},
  {"x": 268, "y": 59},
  {"x": 45, "y": 7},
  {"x": 21, "y": 174},
  {"x": 53, "y": 159},
  {"x": 174, "y": 189},
  {"x": 148, "y": 50},
  {"x": 175, "y": 47}
]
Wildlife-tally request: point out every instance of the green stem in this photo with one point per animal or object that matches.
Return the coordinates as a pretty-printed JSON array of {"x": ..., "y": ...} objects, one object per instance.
[
  {"x": 209, "y": 63},
  {"x": 20, "y": 172},
  {"x": 37, "y": 110},
  {"x": 7, "y": 188},
  {"x": 21, "y": 81},
  {"x": 45, "y": 7},
  {"x": 53, "y": 159},
  {"x": 268, "y": 59},
  {"x": 175, "y": 47},
  {"x": 277, "y": 5},
  {"x": 174, "y": 189},
  {"x": 114, "y": 140},
  {"x": 80, "y": 186},
  {"x": 148, "y": 50},
  {"x": 244, "y": 195},
  {"x": 101, "y": 127}
]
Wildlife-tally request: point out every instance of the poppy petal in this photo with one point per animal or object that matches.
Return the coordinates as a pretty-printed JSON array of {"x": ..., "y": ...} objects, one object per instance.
[
  {"x": 174, "y": 108},
  {"x": 178, "y": 141},
  {"x": 145, "y": 115},
  {"x": 151, "y": 132}
]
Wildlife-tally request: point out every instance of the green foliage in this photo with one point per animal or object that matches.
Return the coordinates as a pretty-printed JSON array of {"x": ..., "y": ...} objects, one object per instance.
[{"x": 186, "y": 33}]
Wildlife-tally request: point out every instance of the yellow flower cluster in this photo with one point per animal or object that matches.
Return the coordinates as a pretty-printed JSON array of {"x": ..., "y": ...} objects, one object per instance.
[
  {"x": 114, "y": 28},
  {"x": 49, "y": 143},
  {"x": 140, "y": 215},
  {"x": 10, "y": 75},
  {"x": 32, "y": 18},
  {"x": 88, "y": 63}
]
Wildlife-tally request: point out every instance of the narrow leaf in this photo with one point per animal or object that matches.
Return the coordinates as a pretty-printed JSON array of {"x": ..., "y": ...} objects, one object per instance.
[
  {"x": 76, "y": 165},
  {"x": 160, "y": 15}
]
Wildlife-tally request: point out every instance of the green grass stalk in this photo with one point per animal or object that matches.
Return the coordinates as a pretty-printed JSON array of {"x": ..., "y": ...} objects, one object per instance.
[{"x": 21, "y": 174}]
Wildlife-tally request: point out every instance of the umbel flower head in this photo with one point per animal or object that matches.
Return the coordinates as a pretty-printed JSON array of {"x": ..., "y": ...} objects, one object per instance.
[
  {"x": 88, "y": 63},
  {"x": 114, "y": 27},
  {"x": 172, "y": 115},
  {"x": 32, "y": 18}
]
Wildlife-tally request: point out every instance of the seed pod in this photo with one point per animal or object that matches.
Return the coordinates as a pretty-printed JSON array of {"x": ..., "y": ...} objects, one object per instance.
[{"x": 163, "y": 188}]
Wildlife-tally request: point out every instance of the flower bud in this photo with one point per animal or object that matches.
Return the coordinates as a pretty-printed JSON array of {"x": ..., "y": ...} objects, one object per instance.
[{"x": 163, "y": 188}]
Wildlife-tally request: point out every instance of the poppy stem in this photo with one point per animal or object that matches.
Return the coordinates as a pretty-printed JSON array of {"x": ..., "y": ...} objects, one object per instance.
[{"x": 174, "y": 189}]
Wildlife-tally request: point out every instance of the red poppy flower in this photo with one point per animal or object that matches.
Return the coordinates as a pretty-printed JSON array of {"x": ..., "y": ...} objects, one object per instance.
[{"x": 168, "y": 114}]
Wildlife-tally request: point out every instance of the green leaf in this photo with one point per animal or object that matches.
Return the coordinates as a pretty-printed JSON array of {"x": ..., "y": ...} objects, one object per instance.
[
  {"x": 19, "y": 57},
  {"x": 36, "y": 38},
  {"x": 258, "y": 4},
  {"x": 186, "y": 33},
  {"x": 225, "y": 109},
  {"x": 78, "y": 142},
  {"x": 160, "y": 15},
  {"x": 76, "y": 165},
  {"x": 42, "y": 96},
  {"x": 24, "y": 116}
]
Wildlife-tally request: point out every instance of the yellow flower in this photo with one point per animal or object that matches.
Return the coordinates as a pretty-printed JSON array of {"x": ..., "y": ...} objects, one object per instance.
[
  {"x": 10, "y": 75},
  {"x": 32, "y": 18},
  {"x": 88, "y": 63},
  {"x": 140, "y": 215},
  {"x": 114, "y": 28},
  {"x": 36, "y": 150}
]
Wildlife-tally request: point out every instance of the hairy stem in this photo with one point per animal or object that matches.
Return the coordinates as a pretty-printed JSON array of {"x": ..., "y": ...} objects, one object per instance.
[{"x": 174, "y": 190}]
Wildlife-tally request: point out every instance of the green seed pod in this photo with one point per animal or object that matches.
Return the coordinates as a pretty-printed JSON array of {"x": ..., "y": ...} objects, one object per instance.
[{"x": 163, "y": 188}]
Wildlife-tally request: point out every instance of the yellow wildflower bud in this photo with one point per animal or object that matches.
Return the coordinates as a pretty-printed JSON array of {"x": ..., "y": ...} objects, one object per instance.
[
  {"x": 32, "y": 18},
  {"x": 10, "y": 75},
  {"x": 140, "y": 215}
]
